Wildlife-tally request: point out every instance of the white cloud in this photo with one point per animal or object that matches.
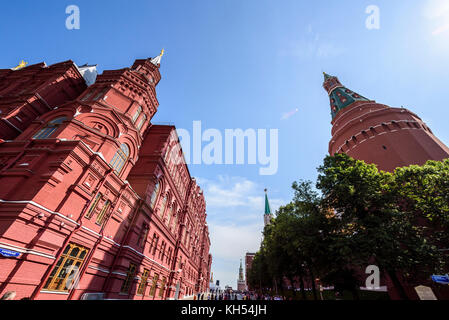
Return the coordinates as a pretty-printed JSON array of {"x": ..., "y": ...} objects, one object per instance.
[
  {"x": 438, "y": 12},
  {"x": 231, "y": 242},
  {"x": 436, "y": 9},
  {"x": 227, "y": 192},
  {"x": 310, "y": 45},
  {"x": 235, "y": 207}
]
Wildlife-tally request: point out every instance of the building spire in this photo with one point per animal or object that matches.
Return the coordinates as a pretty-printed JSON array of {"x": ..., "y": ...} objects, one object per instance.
[
  {"x": 268, "y": 215},
  {"x": 21, "y": 65},
  {"x": 157, "y": 61},
  {"x": 340, "y": 96},
  {"x": 241, "y": 271},
  {"x": 267, "y": 204}
]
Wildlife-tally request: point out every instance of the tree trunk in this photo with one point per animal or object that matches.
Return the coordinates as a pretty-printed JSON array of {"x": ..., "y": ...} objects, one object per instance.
[
  {"x": 398, "y": 285},
  {"x": 315, "y": 296},
  {"x": 355, "y": 294},
  {"x": 292, "y": 282},
  {"x": 301, "y": 284}
]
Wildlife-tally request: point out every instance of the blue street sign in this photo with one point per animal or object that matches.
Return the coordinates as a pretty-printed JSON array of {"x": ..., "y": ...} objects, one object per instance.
[
  {"x": 441, "y": 279},
  {"x": 9, "y": 253}
]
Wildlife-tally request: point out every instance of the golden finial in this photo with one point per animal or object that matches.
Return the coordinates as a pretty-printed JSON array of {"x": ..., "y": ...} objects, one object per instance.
[
  {"x": 162, "y": 52},
  {"x": 21, "y": 65}
]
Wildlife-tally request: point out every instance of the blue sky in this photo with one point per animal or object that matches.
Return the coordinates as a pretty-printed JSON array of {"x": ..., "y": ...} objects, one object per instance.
[{"x": 245, "y": 64}]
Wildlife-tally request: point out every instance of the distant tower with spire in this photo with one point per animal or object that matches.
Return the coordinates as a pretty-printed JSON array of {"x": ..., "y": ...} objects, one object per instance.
[
  {"x": 267, "y": 215},
  {"x": 376, "y": 133},
  {"x": 241, "y": 283}
]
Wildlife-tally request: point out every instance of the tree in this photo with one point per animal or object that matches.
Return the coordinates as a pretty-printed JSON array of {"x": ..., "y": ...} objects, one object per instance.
[
  {"x": 357, "y": 216},
  {"x": 369, "y": 204},
  {"x": 423, "y": 192}
]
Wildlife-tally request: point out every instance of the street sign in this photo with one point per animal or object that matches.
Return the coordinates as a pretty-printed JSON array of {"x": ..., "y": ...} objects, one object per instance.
[
  {"x": 9, "y": 253},
  {"x": 441, "y": 279},
  {"x": 425, "y": 293}
]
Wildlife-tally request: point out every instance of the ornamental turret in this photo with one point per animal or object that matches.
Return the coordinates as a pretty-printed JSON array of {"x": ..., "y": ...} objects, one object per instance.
[
  {"x": 376, "y": 133},
  {"x": 340, "y": 96}
]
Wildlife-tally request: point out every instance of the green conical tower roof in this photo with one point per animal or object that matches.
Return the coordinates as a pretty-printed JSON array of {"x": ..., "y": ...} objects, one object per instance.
[
  {"x": 267, "y": 204},
  {"x": 340, "y": 96}
]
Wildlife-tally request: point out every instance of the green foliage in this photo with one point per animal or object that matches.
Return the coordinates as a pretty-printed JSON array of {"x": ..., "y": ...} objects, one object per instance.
[{"x": 358, "y": 216}]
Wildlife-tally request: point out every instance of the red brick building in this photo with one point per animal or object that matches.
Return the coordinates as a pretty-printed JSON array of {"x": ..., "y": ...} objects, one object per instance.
[
  {"x": 95, "y": 199},
  {"x": 376, "y": 133},
  {"x": 249, "y": 257}
]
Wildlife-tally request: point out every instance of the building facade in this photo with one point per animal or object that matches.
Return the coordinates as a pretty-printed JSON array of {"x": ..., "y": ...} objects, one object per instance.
[{"x": 96, "y": 201}]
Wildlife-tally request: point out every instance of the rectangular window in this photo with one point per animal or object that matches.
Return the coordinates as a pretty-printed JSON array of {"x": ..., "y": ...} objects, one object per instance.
[
  {"x": 129, "y": 278},
  {"x": 161, "y": 253},
  {"x": 154, "y": 285},
  {"x": 137, "y": 114},
  {"x": 143, "y": 282},
  {"x": 169, "y": 255},
  {"x": 102, "y": 215},
  {"x": 143, "y": 235},
  {"x": 162, "y": 289},
  {"x": 87, "y": 95},
  {"x": 45, "y": 133},
  {"x": 101, "y": 94},
  {"x": 141, "y": 122},
  {"x": 64, "y": 274},
  {"x": 94, "y": 204},
  {"x": 155, "y": 245}
]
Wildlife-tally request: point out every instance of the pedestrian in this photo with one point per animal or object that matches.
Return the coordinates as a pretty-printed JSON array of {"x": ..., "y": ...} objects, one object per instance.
[{"x": 10, "y": 295}]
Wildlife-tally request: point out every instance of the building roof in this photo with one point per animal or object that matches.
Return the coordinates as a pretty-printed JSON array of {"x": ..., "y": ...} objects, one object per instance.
[{"x": 267, "y": 204}]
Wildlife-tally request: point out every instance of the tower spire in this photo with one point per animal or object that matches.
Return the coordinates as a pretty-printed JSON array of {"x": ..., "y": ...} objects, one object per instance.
[
  {"x": 157, "y": 61},
  {"x": 268, "y": 215},
  {"x": 241, "y": 278},
  {"x": 340, "y": 96},
  {"x": 267, "y": 204}
]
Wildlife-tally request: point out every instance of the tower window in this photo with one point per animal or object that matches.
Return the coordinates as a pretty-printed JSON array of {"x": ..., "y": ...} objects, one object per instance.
[
  {"x": 87, "y": 95},
  {"x": 141, "y": 122},
  {"x": 120, "y": 158},
  {"x": 137, "y": 114},
  {"x": 384, "y": 147},
  {"x": 155, "y": 194},
  {"x": 162, "y": 208},
  {"x": 49, "y": 129},
  {"x": 101, "y": 94}
]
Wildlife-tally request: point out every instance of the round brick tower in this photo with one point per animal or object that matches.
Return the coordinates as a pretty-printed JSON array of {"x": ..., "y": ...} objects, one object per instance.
[{"x": 376, "y": 133}]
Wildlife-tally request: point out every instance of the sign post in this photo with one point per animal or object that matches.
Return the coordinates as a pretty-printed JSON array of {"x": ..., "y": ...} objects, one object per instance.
[{"x": 425, "y": 293}]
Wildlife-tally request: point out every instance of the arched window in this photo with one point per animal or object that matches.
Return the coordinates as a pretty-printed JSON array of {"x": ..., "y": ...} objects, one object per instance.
[
  {"x": 175, "y": 222},
  {"x": 155, "y": 194},
  {"x": 162, "y": 209},
  {"x": 120, "y": 158},
  {"x": 137, "y": 114},
  {"x": 49, "y": 129},
  {"x": 141, "y": 122},
  {"x": 169, "y": 216}
]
